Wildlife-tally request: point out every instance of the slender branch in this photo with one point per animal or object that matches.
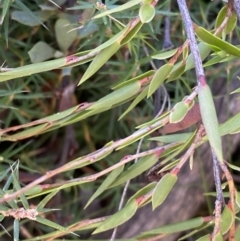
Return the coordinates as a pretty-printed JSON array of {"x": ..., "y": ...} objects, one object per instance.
[
  {"x": 217, "y": 221},
  {"x": 191, "y": 37},
  {"x": 125, "y": 191},
  {"x": 219, "y": 199},
  {"x": 190, "y": 150},
  {"x": 217, "y": 178},
  {"x": 225, "y": 21},
  {"x": 236, "y": 6},
  {"x": 231, "y": 204}
]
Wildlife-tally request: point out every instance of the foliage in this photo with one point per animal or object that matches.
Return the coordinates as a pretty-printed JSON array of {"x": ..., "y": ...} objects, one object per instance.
[{"x": 111, "y": 52}]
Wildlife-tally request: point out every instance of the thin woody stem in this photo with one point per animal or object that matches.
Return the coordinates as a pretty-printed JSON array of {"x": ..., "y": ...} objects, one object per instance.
[
  {"x": 190, "y": 150},
  {"x": 219, "y": 199},
  {"x": 232, "y": 191},
  {"x": 225, "y": 21}
]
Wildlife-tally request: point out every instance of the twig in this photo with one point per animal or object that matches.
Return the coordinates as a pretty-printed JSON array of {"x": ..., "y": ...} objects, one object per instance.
[
  {"x": 217, "y": 179},
  {"x": 236, "y": 6},
  {"x": 217, "y": 221},
  {"x": 93, "y": 157},
  {"x": 124, "y": 160},
  {"x": 190, "y": 150},
  {"x": 219, "y": 199},
  {"x": 125, "y": 191},
  {"x": 224, "y": 22},
  {"x": 229, "y": 178},
  {"x": 191, "y": 37}
]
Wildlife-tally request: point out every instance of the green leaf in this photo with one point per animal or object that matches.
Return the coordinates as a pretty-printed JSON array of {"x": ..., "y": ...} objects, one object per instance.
[
  {"x": 205, "y": 238},
  {"x": 227, "y": 220},
  {"x": 65, "y": 37},
  {"x": 130, "y": 35},
  {"x": 105, "y": 184},
  {"x": 32, "y": 69},
  {"x": 204, "y": 51},
  {"x": 26, "y": 133},
  {"x": 162, "y": 189},
  {"x": 217, "y": 237},
  {"x": 6, "y": 6},
  {"x": 45, "y": 66},
  {"x": 136, "y": 169},
  {"x": 4, "y": 208},
  {"x": 213, "y": 61},
  {"x": 238, "y": 199},
  {"x": 230, "y": 125},
  {"x": 142, "y": 192},
  {"x": 50, "y": 223},
  {"x": 237, "y": 234},
  {"x": 29, "y": 13},
  {"x": 171, "y": 138},
  {"x": 46, "y": 199},
  {"x": 135, "y": 79},
  {"x": 175, "y": 227},
  {"x": 41, "y": 51},
  {"x": 178, "y": 112},
  {"x": 159, "y": 77},
  {"x": 122, "y": 7},
  {"x": 100, "y": 60},
  {"x": 177, "y": 72},
  {"x": 16, "y": 230},
  {"x": 4, "y": 174},
  {"x": 18, "y": 187},
  {"x": 231, "y": 23},
  {"x": 34, "y": 190},
  {"x": 146, "y": 13},
  {"x": 117, "y": 96},
  {"x": 209, "y": 38},
  {"x": 209, "y": 119},
  {"x": 235, "y": 91},
  {"x": 140, "y": 97},
  {"x": 233, "y": 167},
  {"x": 118, "y": 218},
  {"x": 165, "y": 54}
]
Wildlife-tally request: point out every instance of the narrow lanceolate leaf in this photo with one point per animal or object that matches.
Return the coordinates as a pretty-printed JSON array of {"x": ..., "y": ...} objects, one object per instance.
[
  {"x": 6, "y": 6},
  {"x": 217, "y": 237},
  {"x": 210, "y": 39},
  {"x": 136, "y": 169},
  {"x": 147, "y": 74},
  {"x": 227, "y": 220},
  {"x": 100, "y": 60},
  {"x": 146, "y": 13},
  {"x": 18, "y": 187},
  {"x": 117, "y": 96},
  {"x": 232, "y": 21},
  {"x": 238, "y": 199},
  {"x": 105, "y": 184},
  {"x": 209, "y": 118},
  {"x": 131, "y": 34},
  {"x": 50, "y": 223},
  {"x": 122, "y": 7},
  {"x": 140, "y": 97},
  {"x": 175, "y": 227},
  {"x": 159, "y": 77},
  {"x": 143, "y": 191},
  {"x": 204, "y": 238},
  {"x": 42, "y": 204},
  {"x": 165, "y": 54},
  {"x": 16, "y": 230},
  {"x": 118, "y": 218},
  {"x": 162, "y": 189}
]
